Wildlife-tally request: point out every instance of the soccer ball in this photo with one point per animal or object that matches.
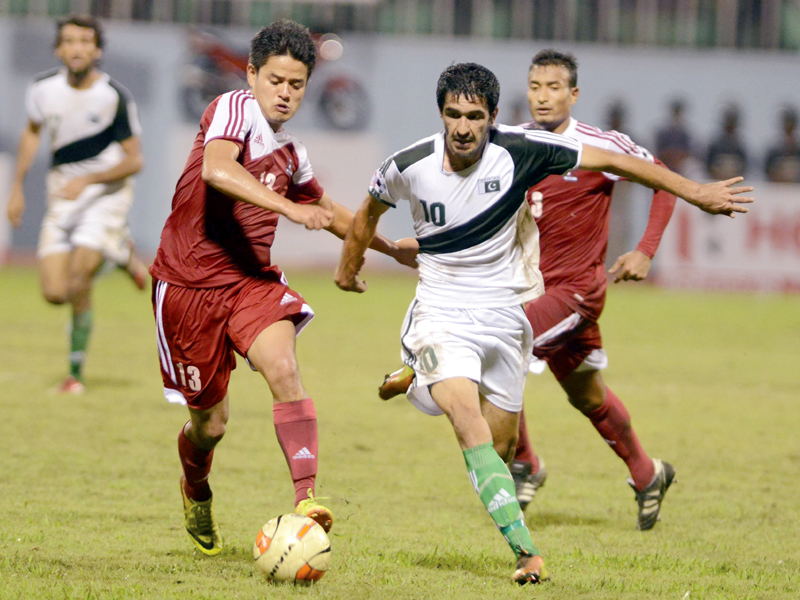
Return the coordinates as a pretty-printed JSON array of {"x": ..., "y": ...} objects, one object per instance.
[{"x": 293, "y": 548}]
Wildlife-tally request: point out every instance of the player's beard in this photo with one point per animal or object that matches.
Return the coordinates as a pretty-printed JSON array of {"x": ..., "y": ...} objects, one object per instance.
[{"x": 79, "y": 75}]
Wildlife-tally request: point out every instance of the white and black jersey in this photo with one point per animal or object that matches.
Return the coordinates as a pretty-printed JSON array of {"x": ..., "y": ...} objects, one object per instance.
[
  {"x": 85, "y": 125},
  {"x": 479, "y": 246}
]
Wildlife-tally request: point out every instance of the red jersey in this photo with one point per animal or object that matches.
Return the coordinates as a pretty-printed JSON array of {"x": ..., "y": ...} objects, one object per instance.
[
  {"x": 572, "y": 212},
  {"x": 211, "y": 239}
]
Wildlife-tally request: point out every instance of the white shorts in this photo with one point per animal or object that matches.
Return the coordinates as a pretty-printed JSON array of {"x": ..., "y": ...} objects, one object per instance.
[
  {"x": 97, "y": 219},
  {"x": 490, "y": 346}
]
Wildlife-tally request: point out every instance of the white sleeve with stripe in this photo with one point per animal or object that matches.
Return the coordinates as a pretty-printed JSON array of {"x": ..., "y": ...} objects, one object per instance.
[
  {"x": 613, "y": 141},
  {"x": 231, "y": 120}
]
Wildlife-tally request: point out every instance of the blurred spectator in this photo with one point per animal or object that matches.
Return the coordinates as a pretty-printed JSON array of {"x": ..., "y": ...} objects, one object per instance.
[
  {"x": 673, "y": 142},
  {"x": 783, "y": 159},
  {"x": 617, "y": 116},
  {"x": 727, "y": 156}
]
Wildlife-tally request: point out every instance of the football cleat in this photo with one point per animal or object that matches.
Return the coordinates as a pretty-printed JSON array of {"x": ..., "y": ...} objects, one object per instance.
[
  {"x": 530, "y": 569},
  {"x": 650, "y": 498},
  {"x": 525, "y": 482},
  {"x": 314, "y": 510},
  {"x": 200, "y": 524},
  {"x": 396, "y": 383},
  {"x": 70, "y": 385}
]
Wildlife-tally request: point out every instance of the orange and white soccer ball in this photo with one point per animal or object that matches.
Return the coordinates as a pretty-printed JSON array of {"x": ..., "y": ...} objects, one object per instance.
[{"x": 293, "y": 548}]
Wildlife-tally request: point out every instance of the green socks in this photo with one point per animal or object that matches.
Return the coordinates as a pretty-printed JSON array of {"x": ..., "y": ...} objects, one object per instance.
[
  {"x": 493, "y": 482},
  {"x": 79, "y": 339}
]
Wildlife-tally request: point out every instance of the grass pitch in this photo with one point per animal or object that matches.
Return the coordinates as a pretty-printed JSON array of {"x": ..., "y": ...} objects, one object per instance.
[{"x": 90, "y": 507}]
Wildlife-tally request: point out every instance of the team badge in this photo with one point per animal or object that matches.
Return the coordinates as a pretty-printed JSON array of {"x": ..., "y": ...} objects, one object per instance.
[
  {"x": 377, "y": 186},
  {"x": 490, "y": 185}
]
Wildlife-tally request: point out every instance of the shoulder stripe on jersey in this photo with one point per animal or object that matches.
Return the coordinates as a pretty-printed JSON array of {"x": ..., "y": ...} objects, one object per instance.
[
  {"x": 231, "y": 114},
  {"x": 611, "y": 136},
  {"x": 604, "y": 136},
  {"x": 547, "y": 137},
  {"x": 47, "y": 74},
  {"x": 406, "y": 158},
  {"x": 236, "y": 112}
]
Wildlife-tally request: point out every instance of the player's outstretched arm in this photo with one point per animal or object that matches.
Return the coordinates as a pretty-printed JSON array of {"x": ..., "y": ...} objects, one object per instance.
[
  {"x": 222, "y": 172},
  {"x": 26, "y": 153},
  {"x": 356, "y": 241},
  {"x": 718, "y": 198},
  {"x": 401, "y": 250}
]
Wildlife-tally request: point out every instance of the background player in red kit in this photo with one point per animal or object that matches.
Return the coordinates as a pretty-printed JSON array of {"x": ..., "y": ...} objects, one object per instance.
[
  {"x": 215, "y": 289},
  {"x": 572, "y": 213}
]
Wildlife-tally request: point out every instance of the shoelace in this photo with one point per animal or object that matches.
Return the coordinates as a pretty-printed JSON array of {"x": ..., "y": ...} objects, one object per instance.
[{"x": 202, "y": 516}]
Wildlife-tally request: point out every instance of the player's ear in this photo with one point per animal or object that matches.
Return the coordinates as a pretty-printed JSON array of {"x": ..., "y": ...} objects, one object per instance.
[
  {"x": 573, "y": 95},
  {"x": 251, "y": 74},
  {"x": 494, "y": 115}
]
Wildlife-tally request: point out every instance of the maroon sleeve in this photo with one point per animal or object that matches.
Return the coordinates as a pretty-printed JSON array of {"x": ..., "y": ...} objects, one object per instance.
[
  {"x": 311, "y": 191},
  {"x": 660, "y": 212}
]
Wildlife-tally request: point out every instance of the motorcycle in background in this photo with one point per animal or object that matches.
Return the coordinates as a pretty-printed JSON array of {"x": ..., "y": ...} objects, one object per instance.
[{"x": 216, "y": 67}]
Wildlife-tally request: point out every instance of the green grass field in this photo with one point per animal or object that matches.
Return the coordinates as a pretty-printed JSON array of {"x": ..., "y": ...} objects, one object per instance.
[{"x": 90, "y": 507}]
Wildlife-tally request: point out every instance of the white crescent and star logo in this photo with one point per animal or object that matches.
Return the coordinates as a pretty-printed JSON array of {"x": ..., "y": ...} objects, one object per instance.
[{"x": 490, "y": 185}]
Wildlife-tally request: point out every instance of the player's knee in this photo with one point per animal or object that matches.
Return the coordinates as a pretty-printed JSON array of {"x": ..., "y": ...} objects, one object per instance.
[
  {"x": 586, "y": 403},
  {"x": 283, "y": 375},
  {"x": 211, "y": 433},
  {"x": 55, "y": 295}
]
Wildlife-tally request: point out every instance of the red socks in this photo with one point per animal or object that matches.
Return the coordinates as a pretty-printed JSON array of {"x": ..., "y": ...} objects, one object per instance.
[
  {"x": 296, "y": 428},
  {"x": 196, "y": 467},
  {"x": 613, "y": 422},
  {"x": 525, "y": 451}
]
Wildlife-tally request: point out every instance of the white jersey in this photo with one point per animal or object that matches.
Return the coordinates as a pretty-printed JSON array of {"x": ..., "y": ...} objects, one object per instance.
[
  {"x": 85, "y": 125},
  {"x": 479, "y": 245}
]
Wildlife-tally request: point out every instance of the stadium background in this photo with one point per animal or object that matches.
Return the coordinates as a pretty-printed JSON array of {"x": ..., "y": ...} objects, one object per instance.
[
  {"x": 89, "y": 505},
  {"x": 377, "y": 95}
]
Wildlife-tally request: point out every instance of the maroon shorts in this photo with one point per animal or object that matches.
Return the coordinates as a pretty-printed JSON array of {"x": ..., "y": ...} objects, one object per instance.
[
  {"x": 199, "y": 329},
  {"x": 562, "y": 336}
]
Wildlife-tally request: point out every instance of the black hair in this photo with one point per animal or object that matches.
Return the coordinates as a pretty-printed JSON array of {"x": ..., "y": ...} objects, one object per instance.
[
  {"x": 85, "y": 21},
  {"x": 470, "y": 81},
  {"x": 283, "y": 38},
  {"x": 553, "y": 58},
  {"x": 789, "y": 115}
]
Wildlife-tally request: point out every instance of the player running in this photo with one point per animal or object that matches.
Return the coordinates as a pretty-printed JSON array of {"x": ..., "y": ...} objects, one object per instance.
[
  {"x": 466, "y": 334},
  {"x": 94, "y": 140},
  {"x": 216, "y": 290},
  {"x": 572, "y": 213}
]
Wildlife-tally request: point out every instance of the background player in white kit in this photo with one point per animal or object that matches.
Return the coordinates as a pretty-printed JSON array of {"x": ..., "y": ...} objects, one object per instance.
[
  {"x": 466, "y": 334},
  {"x": 94, "y": 139}
]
